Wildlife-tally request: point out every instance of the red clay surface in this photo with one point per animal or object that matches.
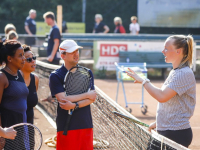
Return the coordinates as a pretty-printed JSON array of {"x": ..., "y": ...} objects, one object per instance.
[{"x": 133, "y": 93}]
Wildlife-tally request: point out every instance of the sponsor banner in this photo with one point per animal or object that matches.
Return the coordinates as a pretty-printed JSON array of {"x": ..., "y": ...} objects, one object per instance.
[{"x": 107, "y": 52}]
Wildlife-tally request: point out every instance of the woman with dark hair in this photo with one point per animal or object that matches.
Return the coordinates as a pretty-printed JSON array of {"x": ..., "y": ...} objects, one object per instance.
[
  {"x": 13, "y": 90},
  {"x": 177, "y": 97},
  {"x": 31, "y": 80}
]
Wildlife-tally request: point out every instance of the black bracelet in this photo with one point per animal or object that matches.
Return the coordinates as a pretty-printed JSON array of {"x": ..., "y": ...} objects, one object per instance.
[{"x": 77, "y": 106}]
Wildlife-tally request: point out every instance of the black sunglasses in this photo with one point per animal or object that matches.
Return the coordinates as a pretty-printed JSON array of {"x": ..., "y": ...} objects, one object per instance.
[{"x": 30, "y": 59}]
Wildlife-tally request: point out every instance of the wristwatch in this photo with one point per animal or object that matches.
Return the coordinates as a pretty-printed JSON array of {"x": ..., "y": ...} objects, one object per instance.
[
  {"x": 145, "y": 80},
  {"x": 77, "y": 106}
]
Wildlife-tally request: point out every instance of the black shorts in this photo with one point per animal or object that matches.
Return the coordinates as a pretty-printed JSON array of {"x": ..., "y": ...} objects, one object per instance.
[{"x": 183, "y": 137}]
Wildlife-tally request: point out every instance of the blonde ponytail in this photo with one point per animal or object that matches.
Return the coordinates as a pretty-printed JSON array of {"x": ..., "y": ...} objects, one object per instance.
[{"x": 190, "y": 43}]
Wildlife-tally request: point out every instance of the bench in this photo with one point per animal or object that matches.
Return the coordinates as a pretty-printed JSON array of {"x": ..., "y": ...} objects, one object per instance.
[{"x": 152, "y": 59}]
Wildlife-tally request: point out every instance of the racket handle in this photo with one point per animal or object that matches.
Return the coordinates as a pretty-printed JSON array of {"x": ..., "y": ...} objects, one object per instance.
[{"x": 67, "y": 125}]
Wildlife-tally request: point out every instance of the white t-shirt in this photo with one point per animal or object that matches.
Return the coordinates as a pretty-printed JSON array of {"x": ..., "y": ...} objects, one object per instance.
[
  {"x": 176, "y": 112},
  {"x": 134, "y": 28}
]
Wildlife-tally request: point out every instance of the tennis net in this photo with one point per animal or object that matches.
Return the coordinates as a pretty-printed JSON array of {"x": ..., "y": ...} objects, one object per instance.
[{"x": 110, "y": 131}]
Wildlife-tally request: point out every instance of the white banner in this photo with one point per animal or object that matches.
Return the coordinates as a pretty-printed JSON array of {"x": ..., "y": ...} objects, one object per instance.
[{"x": 107, "y": 52}]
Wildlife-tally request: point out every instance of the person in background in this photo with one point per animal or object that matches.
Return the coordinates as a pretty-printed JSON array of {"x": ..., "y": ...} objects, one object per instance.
[
  {"x": 119, "y": 27},
  {"x": 134, "y": 27},
  {"x": 177, "y": 96},
  {"x": 30, "y": 27},
  {"x": 64, "y": 27},
  {"x": 53, "y": 39},
  {"x": 12, "y": 35},
  {"x": 31, "y": 80},
  {"x": 9, "y": 27},
  {"x": 99, "y": 26}
]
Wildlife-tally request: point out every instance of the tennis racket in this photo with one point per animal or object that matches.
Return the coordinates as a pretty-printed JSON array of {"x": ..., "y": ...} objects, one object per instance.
[
  {"x": 124, "y": 71},
  {"x": 130, "y": 119},
  {"x": 78, "y": 80},
  {"x": 28, "y": 137}
]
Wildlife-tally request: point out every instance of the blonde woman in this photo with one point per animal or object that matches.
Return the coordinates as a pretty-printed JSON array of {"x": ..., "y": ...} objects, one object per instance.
[
  {"x": 99, "y": 26},
  {"x": 134, "y": 27},
  {"x": 119, "y": 27},
  {"x": 9, "y": 27},
  {"x": 177, "y": 97},
  {"x": 12, "y": 35}
]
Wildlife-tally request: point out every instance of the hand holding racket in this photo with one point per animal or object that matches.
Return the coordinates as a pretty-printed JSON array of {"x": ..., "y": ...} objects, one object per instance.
[
  {"x": 9, "y": 133},
  {"x": 92, "y": 95},
  {"x": 78, "y": 80},
  {"x": 67, "y": 105},
  {"x": 28, "y": 137}
]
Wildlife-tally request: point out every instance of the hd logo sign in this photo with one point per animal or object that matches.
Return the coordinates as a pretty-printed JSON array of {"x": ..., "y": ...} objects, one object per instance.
[{"x": 112, "y": 50}]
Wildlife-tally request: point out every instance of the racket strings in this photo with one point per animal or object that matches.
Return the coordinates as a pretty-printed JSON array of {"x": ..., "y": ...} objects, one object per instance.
[
  {"x": 28, "y": 138},
  {"x": 77, "y": 82}
]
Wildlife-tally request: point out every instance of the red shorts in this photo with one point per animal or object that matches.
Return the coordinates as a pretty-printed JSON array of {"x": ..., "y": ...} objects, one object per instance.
[{"x": 81, "y": 139}]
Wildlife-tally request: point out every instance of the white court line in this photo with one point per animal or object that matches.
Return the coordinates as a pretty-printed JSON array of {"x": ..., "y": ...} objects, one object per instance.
[
  {"x": 51, "y": 121},
  {"x": 195, "y": 127}
]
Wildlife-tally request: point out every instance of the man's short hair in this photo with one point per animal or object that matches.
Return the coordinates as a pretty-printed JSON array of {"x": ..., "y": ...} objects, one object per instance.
[
  {"x": 49, "y": 14},
  {"x": 9, "y": 27},
  {"x": 32, "y": 11}
]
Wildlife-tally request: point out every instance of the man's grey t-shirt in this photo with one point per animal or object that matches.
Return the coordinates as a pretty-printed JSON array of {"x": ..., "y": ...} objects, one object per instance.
[{"x": 176, "y": 112}]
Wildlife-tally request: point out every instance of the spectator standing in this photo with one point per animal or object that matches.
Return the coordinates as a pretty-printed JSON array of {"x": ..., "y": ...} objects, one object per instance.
[
  {"x": 134, "y": 27},
  {"x": 119, "y": 27},
  {"x": 12, "y": 35},
  {"x": 53, "y": 39},
  {"x": 30, "y": 27},
  {"x": 99, "y": 26},
  {"x": 64, "y": 27},
  {"x": 9, "y": 27}
]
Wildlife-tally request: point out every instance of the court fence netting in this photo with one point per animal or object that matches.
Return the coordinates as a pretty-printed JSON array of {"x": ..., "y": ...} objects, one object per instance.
[{"x": 110, "y": 131}]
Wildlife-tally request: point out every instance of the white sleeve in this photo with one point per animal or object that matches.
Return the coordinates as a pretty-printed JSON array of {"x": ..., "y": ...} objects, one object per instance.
[
  {"x": 138, "y": 27},
  {"x": 130, "y": 27}
]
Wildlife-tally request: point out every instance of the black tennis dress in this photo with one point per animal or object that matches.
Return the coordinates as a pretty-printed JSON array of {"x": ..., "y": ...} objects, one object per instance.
[
  {"x": 14, "y": 101},
  {"x": 32, "y": 100}
]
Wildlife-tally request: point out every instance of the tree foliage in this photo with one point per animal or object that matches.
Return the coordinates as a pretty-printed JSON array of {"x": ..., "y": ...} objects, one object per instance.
[{"x": 15, "y": 11}]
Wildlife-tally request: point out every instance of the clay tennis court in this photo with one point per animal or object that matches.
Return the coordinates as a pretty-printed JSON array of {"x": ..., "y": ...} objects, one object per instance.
[{"x": 133, "y": 93}]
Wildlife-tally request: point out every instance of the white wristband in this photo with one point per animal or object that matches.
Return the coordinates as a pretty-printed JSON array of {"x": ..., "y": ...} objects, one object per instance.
[{"x": 145, "y": 80}]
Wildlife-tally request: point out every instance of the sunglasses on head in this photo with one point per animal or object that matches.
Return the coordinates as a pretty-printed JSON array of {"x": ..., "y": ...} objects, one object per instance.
[{"x": 30, "y": 59}]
